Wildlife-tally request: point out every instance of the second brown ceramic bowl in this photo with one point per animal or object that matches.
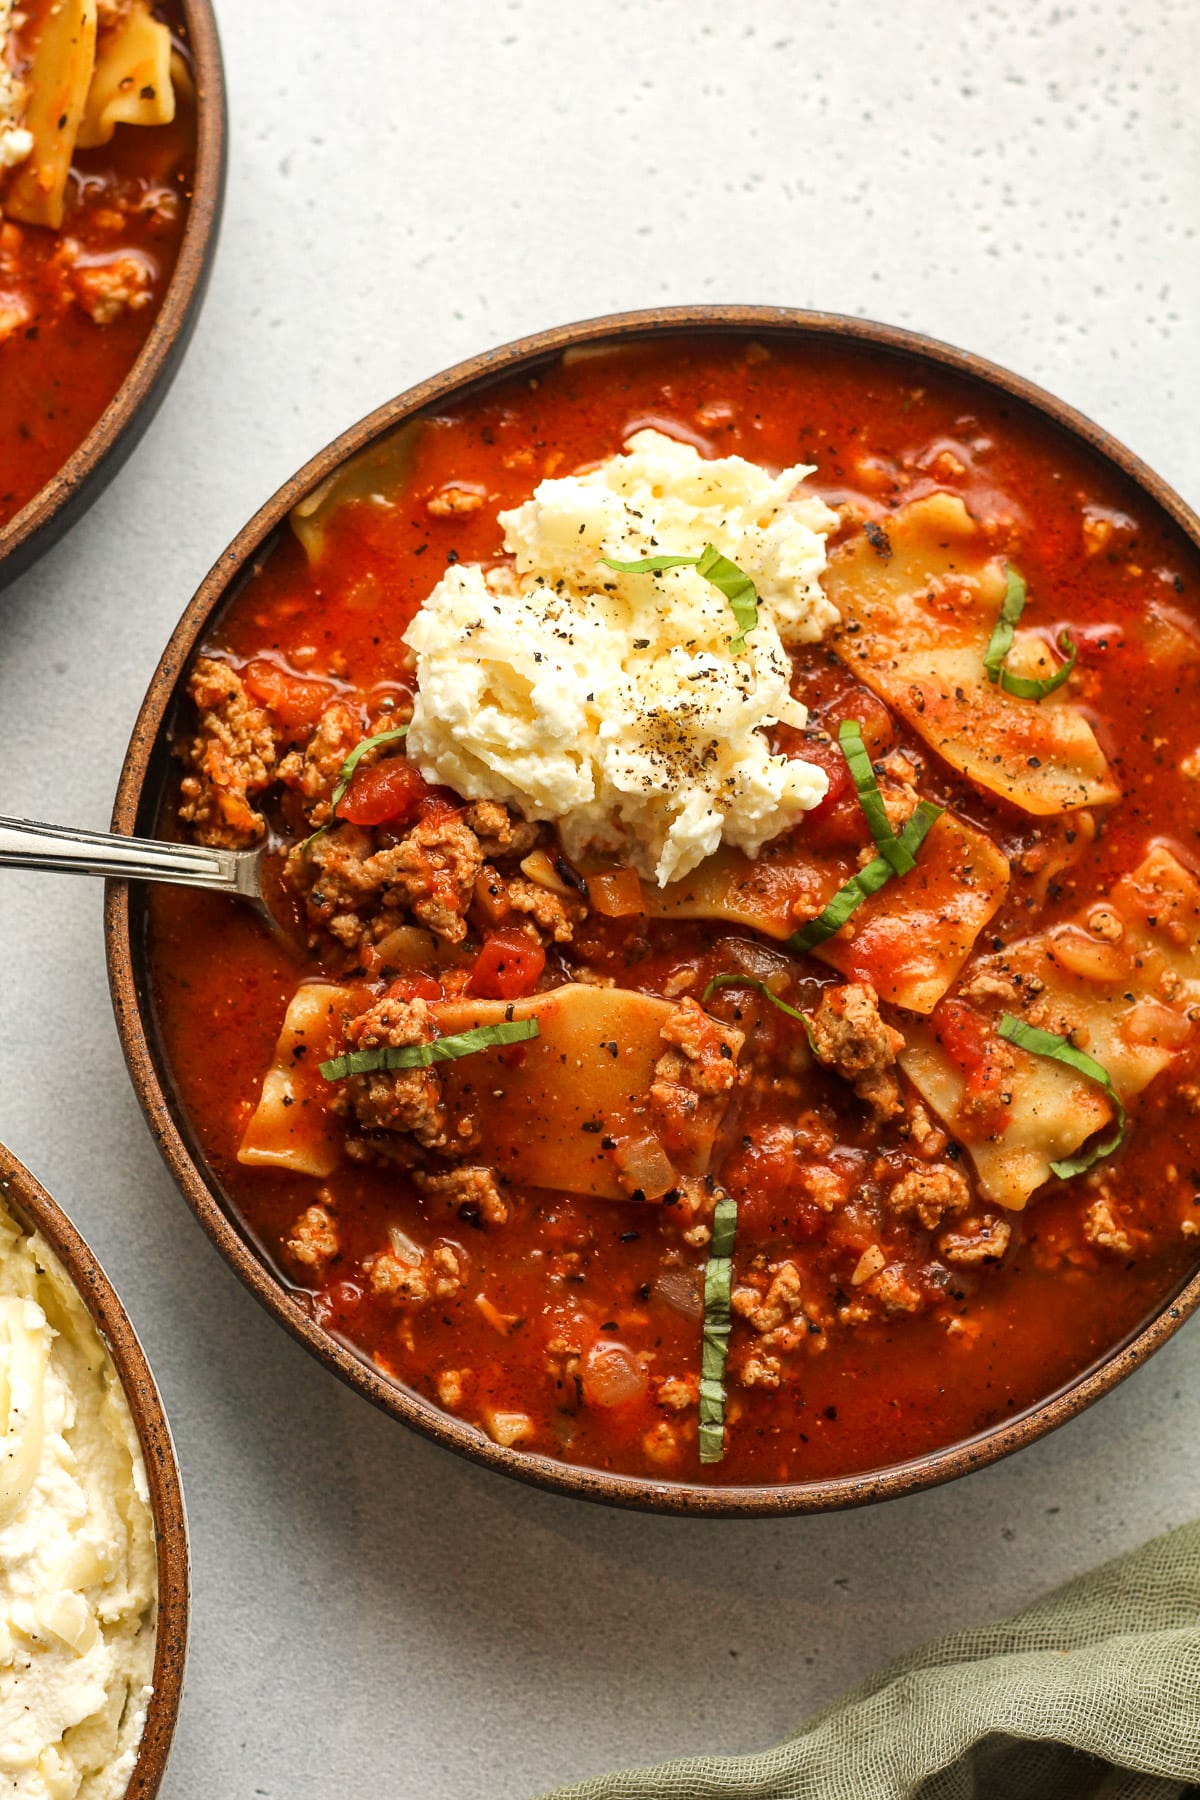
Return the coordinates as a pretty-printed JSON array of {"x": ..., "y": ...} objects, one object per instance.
[
  {"x": 92, "y": 465},
  {"x": 139, "y": 797},
  {"x": 33, "y": 1208}
]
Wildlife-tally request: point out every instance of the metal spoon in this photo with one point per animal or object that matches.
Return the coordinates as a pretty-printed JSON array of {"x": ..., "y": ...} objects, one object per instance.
[{"x": 25, "y": 844}]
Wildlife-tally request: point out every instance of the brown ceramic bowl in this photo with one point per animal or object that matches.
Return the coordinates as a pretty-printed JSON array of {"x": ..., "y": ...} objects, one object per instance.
[
  {"x": 32, "y": 1206},
  {"x": 89, "y": 468},
  {"x": 146, "y": 770}
]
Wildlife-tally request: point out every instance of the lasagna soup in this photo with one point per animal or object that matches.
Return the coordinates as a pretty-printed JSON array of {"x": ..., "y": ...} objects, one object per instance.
[
  {"x": 97, "y": 145},
  {"x": 733, "y": 813}
]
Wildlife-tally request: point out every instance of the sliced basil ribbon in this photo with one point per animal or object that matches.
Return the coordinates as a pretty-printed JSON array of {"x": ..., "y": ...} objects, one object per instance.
[
  {"x": 346, "y": 775},
  {"x": 1059, "y": 1049},
  {"x": 868, "y": 881},
  {"x": 733, "y": 582},
  {"x": 734, "y": 978},
  {"x": 718, "y": 1320},
  {"x": 850, "y": 739},
  {"x": 1025, "y": 687},
  {"x": 421, "y": 1056}
]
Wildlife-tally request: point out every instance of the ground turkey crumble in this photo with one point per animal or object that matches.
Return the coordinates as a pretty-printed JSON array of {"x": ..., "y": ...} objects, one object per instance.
[
  {"x": 474, "y": 1193},
  {"x": 975, "y": 1241},
  {"x": 355, "y": 883},
  {"x": 399, "y": 1100},
  {"x": 428, "y": 876},
  {"x": 1102, "y": 1226},
  {"x": 314, "y": 1240},
  {"x": 930, "y": 1194},
  {"x": 773, "y": 1301},
  {"x": 498, "y": 898},
  {"x": 231, "y": 758},
  {"x": 499, "y": 833},
  {"x": 699, "y": 1063},
  {"x": 438, "y": 1275},
  {"x": 313, "y": 771},
  {"x": 435, "y": 875},
  {"x": 849, "y": 1036}
]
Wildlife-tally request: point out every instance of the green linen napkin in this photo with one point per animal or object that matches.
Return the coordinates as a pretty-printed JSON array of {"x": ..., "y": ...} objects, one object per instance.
[{"x": 1091, "y": 1693}]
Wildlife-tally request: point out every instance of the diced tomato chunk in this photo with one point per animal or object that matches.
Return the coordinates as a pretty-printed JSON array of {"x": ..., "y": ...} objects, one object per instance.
[
  {"x": 415, "y": 986},
  {"x": 384, "y": 793},
  {"x": 765, "y": 1178},
  {"x": 982, "y": 1056},
  {"x": 1095, "y": 643},
  {"x": 828, "y": 755},
  {"x": 336, "y": 1304},
  {"x": 765, "y": 1216},
  {"x": 508, "y": 966},
  {"x": 296, "y": 702},
  {"x": 962, "y": 1034},
  {"x": 439, "y": 804},
  {"x": 856, "y": 702},
  {"x": 837, "y": 819}
]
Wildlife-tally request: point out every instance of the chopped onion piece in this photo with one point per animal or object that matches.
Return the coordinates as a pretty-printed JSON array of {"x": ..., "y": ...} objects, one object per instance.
[
  {"x": 501, "y": 1322},
  {"x": 403, "y": 1246},
  {"x": 681, "y": 1289},
  {"x": 1150, "y": 1021},
  {"x": 1092, "y": 958},
  {"x": 612, "y": 1375},
  {"x": 617, "y": 894},
  {"x": 646, "y": 1167},
  {"x": 539, "y": 868},
  {"x": 407, "y": 947},
  {"x": 508, "y": 1428}
]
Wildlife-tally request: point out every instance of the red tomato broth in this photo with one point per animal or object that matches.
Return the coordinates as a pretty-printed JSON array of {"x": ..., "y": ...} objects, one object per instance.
[
  {"x": 61, "y": 369},
  {"x": 887, "y": 1389}
]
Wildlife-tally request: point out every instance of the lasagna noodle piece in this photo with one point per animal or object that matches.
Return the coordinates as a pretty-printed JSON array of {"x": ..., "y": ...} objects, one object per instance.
[
  {"x": 549, "y": 1109},
  {"x": 917, "y": 614},
  {"x": 58, "y": 81},
  {"x": 131, "y": 83},
  {"x": 292, "y": 1127},
  {"x": 909, "y": 940},
  {"x": 376, "y": 476},
  {"x": 1125, "y": 1002}
]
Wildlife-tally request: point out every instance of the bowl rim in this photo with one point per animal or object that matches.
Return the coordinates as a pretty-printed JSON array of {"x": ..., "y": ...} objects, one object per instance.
[
  {"x": 127, "y": 965},
  {"x": 98, "y": 456},
  {"x": 33, "y": 1207}
]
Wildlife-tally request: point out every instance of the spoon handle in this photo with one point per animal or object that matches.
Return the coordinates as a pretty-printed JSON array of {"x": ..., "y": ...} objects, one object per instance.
[{"x": 25, "y": 844}]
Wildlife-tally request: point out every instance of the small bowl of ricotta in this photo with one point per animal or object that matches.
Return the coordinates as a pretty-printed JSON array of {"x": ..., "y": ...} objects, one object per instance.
[{"x": 93, "y": 1535}]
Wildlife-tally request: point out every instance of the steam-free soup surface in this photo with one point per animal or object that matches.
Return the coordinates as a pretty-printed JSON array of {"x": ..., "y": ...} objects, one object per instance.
[{"x": 907, "y": 1268}]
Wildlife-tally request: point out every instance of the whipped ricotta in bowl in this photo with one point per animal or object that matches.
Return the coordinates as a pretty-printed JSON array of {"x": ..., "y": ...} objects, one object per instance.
[
  {"x": 78, "y": 1577},
  {"x": 621, "y": 707}
]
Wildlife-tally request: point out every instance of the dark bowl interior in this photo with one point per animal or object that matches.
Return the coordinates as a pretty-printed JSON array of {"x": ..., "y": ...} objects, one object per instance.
[
  {"x": 88, "y": 470},
  {"x": 33, "y": 1207},
  {"x": 139, "y": 799}
]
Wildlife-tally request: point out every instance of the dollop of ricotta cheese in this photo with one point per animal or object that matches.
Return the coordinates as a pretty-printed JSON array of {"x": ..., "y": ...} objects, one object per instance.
[
  {"x": 77, "y": 1560},
  {"x": 613, "y": 705}
]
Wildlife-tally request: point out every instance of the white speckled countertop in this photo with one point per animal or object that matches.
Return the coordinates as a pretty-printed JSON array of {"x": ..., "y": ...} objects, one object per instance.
[{"x": 408, "y": 185}]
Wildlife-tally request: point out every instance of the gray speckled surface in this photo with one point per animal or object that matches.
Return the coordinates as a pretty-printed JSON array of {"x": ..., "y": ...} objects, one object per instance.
[{"x": 409, "y": 185}]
